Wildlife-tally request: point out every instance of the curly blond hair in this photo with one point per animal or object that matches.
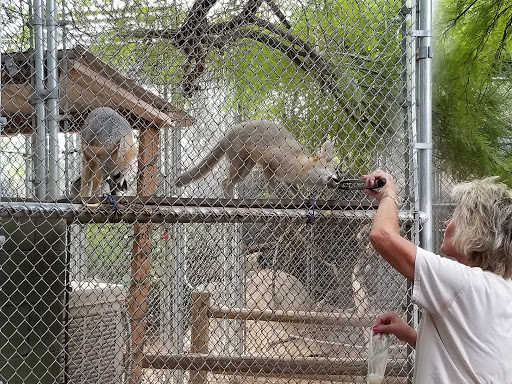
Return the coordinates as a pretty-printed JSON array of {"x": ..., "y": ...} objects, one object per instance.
[{"x": 483, "y": 224}]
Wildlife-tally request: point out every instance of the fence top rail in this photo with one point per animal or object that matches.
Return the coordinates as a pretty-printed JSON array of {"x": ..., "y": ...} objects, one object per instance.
[
  {"x": 204, "y": 213},
  {"x": 307, "y": 203}
]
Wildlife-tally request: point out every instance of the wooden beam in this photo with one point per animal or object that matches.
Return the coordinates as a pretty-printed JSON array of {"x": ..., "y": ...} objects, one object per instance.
[
  {"x": 148, "y": 160},
  {"x": 141, "y": 259},
  {"x": 298, "y": 367},
  {"x": 199, "y": 332},
  {"x": 138, "y": 293},
  {"x": 297, "y": 317},
  {"x": 89, "y": 79}
]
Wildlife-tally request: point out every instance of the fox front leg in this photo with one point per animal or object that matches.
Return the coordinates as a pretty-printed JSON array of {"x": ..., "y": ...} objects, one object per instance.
[
  {"x": 272, "y": 183},
  {"x": 91, "y": 179}
]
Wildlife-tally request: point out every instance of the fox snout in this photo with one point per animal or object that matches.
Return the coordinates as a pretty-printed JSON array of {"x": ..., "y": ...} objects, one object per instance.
[
  {"x": 327, "y": 177},
  {"x": 333, "y": 181},
  {"x": 324, "y": 174}
]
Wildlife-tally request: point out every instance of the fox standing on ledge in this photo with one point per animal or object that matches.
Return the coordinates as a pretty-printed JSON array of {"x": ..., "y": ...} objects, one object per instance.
[
  {"x": 275, "y": 149},
  {"x": 109, "y": 153}
]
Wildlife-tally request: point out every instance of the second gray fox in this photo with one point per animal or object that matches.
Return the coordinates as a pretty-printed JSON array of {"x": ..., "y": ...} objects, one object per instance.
[
  {"x": 109, "y": 153},
  {"x": 275, "y": 149}
]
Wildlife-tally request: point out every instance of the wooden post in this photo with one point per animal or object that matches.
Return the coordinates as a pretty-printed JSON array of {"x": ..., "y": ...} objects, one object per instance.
[
  {"x": 200, "y": 333},
  {"x": 141, "y": 259}
]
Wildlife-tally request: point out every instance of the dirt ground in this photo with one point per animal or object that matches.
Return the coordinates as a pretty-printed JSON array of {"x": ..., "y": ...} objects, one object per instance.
[{"x": 271, "y": 339}]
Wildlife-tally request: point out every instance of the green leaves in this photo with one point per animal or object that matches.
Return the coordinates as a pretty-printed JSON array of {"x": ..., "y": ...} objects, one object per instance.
[
  {"x": 348, "y": 94},
  {"x": 336, "y": 73},
  {"x": 472, "y": 85}
]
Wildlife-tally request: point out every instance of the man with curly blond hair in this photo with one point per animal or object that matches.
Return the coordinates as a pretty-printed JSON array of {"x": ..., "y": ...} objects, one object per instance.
[{"x": 465, "y": 330}]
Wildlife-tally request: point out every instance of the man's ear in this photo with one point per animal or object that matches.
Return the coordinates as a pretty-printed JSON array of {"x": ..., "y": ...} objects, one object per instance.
[{"x": 326, "y": 151}]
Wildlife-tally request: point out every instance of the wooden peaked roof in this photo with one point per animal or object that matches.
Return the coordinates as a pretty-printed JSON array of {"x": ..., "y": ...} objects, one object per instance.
[{"x": 85, "y": 82}]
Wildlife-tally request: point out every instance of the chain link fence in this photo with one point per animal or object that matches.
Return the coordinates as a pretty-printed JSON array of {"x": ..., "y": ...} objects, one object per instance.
[{"x": 127, "y": 258}]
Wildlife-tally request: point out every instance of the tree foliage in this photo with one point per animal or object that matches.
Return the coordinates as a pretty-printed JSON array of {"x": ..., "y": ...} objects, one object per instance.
[
  {"x": 324, "y": 68},
  {"x": 318, "y": 65},
  {"x": 472, "y": 87},
  {"x": 358, "y": 54},
  {"x": 329, "y": 66}
]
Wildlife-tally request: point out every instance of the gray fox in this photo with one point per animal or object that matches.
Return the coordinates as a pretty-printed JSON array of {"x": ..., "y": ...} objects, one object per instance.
[
  {"x": 275, "y": 149},
  {"x": 109, "y": 154}
]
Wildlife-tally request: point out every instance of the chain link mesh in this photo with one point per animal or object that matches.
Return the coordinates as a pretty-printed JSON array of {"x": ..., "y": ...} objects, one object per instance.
[{"x": 121, "y": 263}]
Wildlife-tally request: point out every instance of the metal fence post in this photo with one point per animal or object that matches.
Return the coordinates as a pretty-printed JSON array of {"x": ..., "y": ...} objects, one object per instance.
[{"x": 424, "y": 140}]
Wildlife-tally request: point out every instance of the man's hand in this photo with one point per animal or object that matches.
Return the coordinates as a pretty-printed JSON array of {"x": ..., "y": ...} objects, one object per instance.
[
  {"x": 390, "y": 322},
  {"x": 388, "y": 189}
]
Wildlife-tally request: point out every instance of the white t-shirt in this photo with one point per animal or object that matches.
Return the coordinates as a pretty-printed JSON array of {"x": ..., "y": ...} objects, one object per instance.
[{"x": 465, "y": 333}]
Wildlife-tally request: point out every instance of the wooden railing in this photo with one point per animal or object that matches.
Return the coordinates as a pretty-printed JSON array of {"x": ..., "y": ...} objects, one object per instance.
[{"x": 199, "y": 362}]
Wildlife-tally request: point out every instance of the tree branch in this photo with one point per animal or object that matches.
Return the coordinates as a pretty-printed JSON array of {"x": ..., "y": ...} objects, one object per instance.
[
  {"x": 280, "y": 15},
  {"x": 196, "y": 37},
  {"x": 300, "y": 57},
  {"x": 461, "y": 14}
]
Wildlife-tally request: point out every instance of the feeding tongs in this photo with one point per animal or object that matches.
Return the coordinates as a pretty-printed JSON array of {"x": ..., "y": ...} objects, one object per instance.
[{"x": 359, "y": 184}]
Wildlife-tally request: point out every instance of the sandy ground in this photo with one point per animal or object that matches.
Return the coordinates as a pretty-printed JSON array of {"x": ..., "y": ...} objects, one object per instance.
[{"x": 270, "y": 339}]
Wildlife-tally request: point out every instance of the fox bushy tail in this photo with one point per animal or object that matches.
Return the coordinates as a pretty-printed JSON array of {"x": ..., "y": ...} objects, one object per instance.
[{"x": 204, "y": 167}]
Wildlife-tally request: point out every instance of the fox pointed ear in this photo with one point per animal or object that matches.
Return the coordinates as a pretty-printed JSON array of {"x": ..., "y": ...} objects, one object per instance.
[{"x": 326, "y": 151}]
